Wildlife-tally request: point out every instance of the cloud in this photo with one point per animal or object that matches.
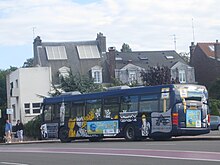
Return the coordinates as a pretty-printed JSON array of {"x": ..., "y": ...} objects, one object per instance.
[{"x": 143, "y": 24}]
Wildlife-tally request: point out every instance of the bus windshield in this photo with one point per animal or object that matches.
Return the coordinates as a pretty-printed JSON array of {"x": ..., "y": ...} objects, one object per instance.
[{"x": 192, "y": 92}]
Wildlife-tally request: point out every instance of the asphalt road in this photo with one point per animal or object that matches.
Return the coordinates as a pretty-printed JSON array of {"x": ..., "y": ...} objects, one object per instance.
[{"x": 190, "y": 151}]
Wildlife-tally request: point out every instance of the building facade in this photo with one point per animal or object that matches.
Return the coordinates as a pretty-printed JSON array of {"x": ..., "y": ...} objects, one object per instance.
[
  {"x": 83, "y": 58},
  {"x": 26, "y": 88},
  {"x": 127, "y": 66}
]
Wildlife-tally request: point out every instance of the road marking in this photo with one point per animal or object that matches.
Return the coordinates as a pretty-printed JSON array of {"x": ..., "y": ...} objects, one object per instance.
[
  {"x": 10, "y": 163},
  {"x": 147, "y": 153}
]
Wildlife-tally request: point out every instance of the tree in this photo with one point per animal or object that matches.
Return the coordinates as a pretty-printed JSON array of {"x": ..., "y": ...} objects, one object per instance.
[
  {"x": 83, "y": 84},
  {"x": 3, "y": 92},
  {"x": 28, "y": 63},
  {"x": 214, "y": 90},
  {"x": 3, "y": 97},
  {"x": 156, "y": 76},
  {"x": 126, "y": 48},
  {"x": 185, "y": 56}
]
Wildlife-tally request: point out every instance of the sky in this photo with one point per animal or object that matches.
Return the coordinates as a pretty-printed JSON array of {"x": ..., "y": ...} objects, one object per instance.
[{"x": 145, "y": 25}]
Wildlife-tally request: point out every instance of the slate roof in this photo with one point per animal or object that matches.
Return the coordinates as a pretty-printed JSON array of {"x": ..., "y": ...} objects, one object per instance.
[{"x": 146, "y": 59}]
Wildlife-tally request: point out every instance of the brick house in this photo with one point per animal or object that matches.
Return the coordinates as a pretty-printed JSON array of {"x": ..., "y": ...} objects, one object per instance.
[{"x": 205, "y": 58}]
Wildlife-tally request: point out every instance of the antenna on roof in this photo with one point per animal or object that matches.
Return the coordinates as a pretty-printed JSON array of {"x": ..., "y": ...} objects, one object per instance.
[
  {"x": 174, "y": 40},
  {"x": 193, "y": 31},
  {"x": 33, "y": 32}
]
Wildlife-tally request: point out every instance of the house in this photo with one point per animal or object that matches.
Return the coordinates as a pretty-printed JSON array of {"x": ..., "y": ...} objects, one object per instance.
[
  {"x": 25, "y": 88},
  {"x": 205, "y": 58},
  {"x": 127, "y": 66},
  {"x": 83, "y": 57}
]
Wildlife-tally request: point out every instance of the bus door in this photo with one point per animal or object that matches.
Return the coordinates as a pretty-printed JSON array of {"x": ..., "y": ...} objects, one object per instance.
[
  {"x": 77, "y": 121},
  {"x": 51, "y": 120},
  {"x": 161, "y": 120}
]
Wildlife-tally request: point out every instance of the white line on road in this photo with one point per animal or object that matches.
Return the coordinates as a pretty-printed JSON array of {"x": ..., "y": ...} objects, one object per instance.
[{"x": 12, "y": 163}]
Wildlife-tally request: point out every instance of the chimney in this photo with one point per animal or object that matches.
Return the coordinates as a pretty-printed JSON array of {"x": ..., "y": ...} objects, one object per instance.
[
  {"x": 191, "y": 49},
  {"x": 101, "y": 39},
  {"x": 217, "y": 49},
  {"x": 111, "y": 61},
  {"x": 37, "y": 42}
]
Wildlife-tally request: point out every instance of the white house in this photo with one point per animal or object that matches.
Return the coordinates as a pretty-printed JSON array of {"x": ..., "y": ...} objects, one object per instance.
[{"x": 25, "y": 86}]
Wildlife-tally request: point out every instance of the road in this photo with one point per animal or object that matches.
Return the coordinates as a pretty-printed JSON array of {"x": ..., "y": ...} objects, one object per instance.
[{"x": 190, "y": 151}]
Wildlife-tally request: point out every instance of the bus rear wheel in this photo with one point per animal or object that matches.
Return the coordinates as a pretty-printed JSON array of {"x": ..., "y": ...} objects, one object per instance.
[
  {"x": 63, "y": 135},
  {"x": 129, "y": 132}
]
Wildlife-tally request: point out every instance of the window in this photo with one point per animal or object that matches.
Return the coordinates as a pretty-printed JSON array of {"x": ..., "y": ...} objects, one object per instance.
[
  {"x": 93, "y": 107},
  {"x": 97, "y": 76},
  {"x": 149, "y": 103},
  {"x": 78, "y": 109},
  {"x": 64, "y": 72},
  {"x": 111, "y": 108},
  {"x": 14, "y": 110},
  {"x": 132, "y": 76},
  {"x": 56, "y": 53},
  {"x": 27, "y": 109},
  {"x": 88, "y": 51},
  {"x": 96, "y": 73},
  {"x": 129, "y": 103},
  {"x": 16, "y": 81},
  {"x": 36, "y": 107},
  {"x": 47, "y": 113},
  {"x": 182, "y": 76}
]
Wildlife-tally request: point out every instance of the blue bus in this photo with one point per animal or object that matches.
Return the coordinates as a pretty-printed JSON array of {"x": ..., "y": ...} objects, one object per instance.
[{"x": 157, "y": 112}]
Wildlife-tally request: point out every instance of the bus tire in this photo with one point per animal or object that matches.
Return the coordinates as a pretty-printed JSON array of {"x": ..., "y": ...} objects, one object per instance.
[
  {"x": 129, "y": 132},
  {"x": 63, "y": 135}
]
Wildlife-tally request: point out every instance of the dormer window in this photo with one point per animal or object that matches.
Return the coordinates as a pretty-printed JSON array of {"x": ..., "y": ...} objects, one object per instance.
[
  {"x": 64, "y": 72},
  {"x": 97, "y": 74}
]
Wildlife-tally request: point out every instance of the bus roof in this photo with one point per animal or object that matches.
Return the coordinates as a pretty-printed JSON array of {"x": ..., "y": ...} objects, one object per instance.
[
  {"x": 104, "y": 94},
  {"x": 109, "y": 93}
]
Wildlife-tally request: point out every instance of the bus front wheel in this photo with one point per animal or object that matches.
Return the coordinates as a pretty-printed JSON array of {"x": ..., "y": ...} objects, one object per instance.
[
  {"x": 130, "y": 132},
  {"x": 63, "y": 135}
]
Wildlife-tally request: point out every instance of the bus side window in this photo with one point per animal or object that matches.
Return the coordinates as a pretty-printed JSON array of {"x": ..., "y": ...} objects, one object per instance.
[
  {"x": 111, "y": 108},
  {"x": 149, "y": 103},
  {"x": 56, "y": 112},
  {"x": 67, "y": 109},
  {"x": 78, "y": 109},
  {"x": 48, "y": 113},
  {"x": 93, "y": 109},
  {"x": 129, "y": 103}
]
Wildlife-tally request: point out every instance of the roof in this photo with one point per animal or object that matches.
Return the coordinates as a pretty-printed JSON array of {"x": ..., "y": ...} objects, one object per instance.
[
  {"x": 146, "y": 59},
  {"x": 207, "y": 48},
  {"x": 108, "y": 94}
]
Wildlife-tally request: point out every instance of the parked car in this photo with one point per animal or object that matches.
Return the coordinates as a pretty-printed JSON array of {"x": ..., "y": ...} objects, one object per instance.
[{"x": 215, "y": 122}]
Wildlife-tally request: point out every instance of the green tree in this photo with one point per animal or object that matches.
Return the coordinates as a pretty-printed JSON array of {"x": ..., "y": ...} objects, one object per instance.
[
  {"x": 215, "y": 107},
  {"x": 156, "y": 76},
  {"x": 83, "y": 84},
  {"x": 214, "y": 90},
  {"x": 126, "y": 48},
  {"x": 3, "y": 97},
  {"x": 28, "y": 63},
  {"x": 185, "y": 56}
]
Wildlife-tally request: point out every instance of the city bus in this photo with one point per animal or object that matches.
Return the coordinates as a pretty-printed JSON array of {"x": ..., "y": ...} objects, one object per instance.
[{"x": 133, "y": 113}]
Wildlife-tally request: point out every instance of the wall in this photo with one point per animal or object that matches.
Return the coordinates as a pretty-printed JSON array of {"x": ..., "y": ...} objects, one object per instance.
[{"x": 32, "y": 82}]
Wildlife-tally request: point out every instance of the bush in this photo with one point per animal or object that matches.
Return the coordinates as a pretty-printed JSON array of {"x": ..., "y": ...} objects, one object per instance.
[
  {"x": 32, "y": 128},
  {"x": 215, "y": 107}
]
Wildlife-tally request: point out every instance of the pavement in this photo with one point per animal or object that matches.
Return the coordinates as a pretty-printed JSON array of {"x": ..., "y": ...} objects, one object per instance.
[{"x": 201, "y": 137}]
